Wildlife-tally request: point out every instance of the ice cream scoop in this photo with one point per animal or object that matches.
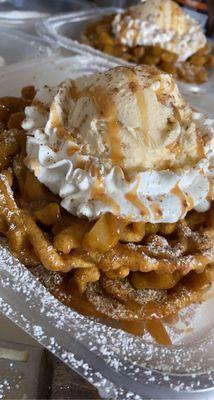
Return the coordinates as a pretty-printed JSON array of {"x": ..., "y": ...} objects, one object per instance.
[{"x": 123, "y": 141}]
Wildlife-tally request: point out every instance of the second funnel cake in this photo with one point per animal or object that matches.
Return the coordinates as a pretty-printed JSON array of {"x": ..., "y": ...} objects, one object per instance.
[
  {"x": 155, "y": 32},
  {"x": 107, "y": 181}
]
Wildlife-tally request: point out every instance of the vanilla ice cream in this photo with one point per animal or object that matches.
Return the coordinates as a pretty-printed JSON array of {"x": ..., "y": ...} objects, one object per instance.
[
  {"x": 159, "y": 23},
  {"x": 122, "y": 141}
]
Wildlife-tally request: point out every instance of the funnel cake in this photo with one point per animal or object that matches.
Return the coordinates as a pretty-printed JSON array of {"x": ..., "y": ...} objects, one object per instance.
[
  {"x": 155, "y": 32},
  {"x": 107, "y": 181}
]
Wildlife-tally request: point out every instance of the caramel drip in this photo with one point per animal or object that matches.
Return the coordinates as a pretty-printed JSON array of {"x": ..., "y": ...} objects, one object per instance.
[
  {"x": 80, "y": 303},
  {"x": 74, "y": 92},
  {"x": 176, "y": 111},
  {"x": 40, "y": 106},
  {"x": 160, "y": 90},
  {"x": 94, "y": 171},
  {"x": 98, "y": 192},
  {"x": 157, "y": 212},
  {"x": 163, "y": 13},
  {"x": 32, "y": 163},
  {"x": 173, "y": 17},
  {"x": 72, "y": 149},
  {"x": 141, "y": 102},
  {"x": 107, "y": 109},
  {"x": 57, "y": 123},
  {"x": 174, "y": 147},
  {"x": 67, "y": 293},
  {"x": 172, "y": 87},
  {"x": 210, "y": 193},
  {"x": 136, "y": 328},
  {"x": 177, "y": 192},
  {"x": 190, "y": 201},
  {"x": 133, "y": 198},
  {"x": 157, "y": 330},
  {"x": 187, "y": 202},
  {"x": 198, "y": 281},
  {"x": 80, "y": 163},
  {"x": 200, "y": 145},
  {"x": 55, "y": 119}
]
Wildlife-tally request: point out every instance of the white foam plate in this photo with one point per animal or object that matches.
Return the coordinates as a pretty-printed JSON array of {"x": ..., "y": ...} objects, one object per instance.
[{"x": 120, "y": 365}]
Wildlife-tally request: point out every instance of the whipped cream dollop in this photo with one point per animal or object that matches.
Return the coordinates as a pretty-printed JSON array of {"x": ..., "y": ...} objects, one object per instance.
[
  {"x": 122, "y": 141},
  {"x": 159, "y": 23}
]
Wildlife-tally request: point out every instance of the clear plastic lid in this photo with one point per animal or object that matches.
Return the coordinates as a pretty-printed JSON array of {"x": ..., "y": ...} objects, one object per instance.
[
  {"x": 19, "y": 46},
  {"x": 24, "y": 14},
  {"x": 120, "y": 365},
  {"x": 67, "y": 30},
  {"x": 50, "y": 6}
]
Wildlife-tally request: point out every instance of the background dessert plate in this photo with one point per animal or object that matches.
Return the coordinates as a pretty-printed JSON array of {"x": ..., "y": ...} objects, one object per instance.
[
  {"x": 119, "y": 364},
  {"x": 68, "y": 28}
]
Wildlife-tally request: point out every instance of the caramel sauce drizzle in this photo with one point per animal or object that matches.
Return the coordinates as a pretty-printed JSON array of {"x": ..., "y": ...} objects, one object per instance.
[
  {"x": 174, "y": 147},
  {"x": 160, "y": 89},
  {"x": 67, "y": 293},
  {"x": 57, "y": 123},
  {"x": 33, "y": 163},
  {"x": 106, "y": 107},
  {"x": 141, "y": 102},
  {"x": 200, "y": 145},
  {"x": 157, "y": 212},
  {"x": 98, "y": 192},
  {"x": 176, "y": 111},
  {"x": 187, "y": 202},
  {"x": 157, "y": 330},
  {"x": 133, "y": 198},
  {"x": 210, "y": 193},
  {"x": 190, "y": 202},
  {"x": 177, "y": 192},
  {"x": 173, "y": 18},
  {"x": 72, "y": 149},
  {"x": 55, "y": 119},
  {"x": 172, "y": 87},
  {"x": 163, "y": 12},
  {"x": 94, "y": 171}
]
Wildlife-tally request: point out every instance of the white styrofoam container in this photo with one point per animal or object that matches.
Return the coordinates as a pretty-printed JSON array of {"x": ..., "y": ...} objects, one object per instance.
[{"x": 120, "y": 365}]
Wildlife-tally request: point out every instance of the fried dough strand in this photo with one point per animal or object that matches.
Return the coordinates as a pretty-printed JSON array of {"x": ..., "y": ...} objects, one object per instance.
[
  {"x": 10, "y": 144},
  {"x": 59, "y": 254}
]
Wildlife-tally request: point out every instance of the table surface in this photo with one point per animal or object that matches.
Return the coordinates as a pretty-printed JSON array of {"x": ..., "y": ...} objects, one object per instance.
[{"x": 62, "y": 382}]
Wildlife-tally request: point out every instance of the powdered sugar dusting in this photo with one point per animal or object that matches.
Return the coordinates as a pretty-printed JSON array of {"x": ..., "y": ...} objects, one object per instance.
[{"x": 102, "y": 354}]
